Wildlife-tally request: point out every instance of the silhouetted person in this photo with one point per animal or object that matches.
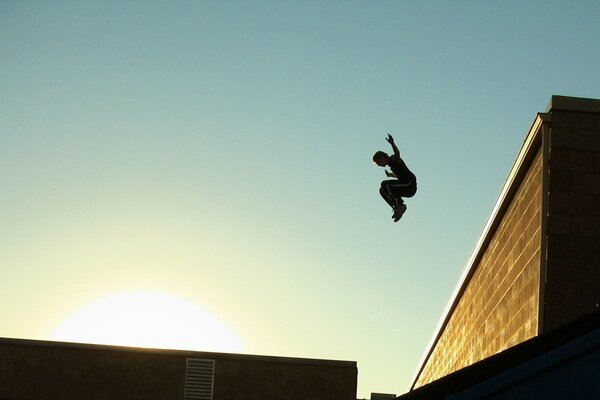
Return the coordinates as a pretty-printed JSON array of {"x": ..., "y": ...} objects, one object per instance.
[{"x": 405, "y": 184}]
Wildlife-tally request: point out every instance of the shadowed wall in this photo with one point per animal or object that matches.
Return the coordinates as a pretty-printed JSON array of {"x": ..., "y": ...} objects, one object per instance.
[
  {"x": 62, "y": 371},
  {"x": 573, "y": 266}
]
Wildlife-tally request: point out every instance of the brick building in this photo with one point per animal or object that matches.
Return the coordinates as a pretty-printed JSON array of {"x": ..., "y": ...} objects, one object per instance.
[
  {"x": 563, "y": 363},
  {"x": 536, "y": 265},
  {"x": 33, "y": 370}
]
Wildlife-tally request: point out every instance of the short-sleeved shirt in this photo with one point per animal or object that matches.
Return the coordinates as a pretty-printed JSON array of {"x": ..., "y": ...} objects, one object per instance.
[{"x": 399, "y": 168}]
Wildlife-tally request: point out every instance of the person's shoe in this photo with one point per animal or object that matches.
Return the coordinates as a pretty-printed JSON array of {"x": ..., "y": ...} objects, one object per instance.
[
  {"x": 399, "y": 212},
  {"x": 397, "y": 205}
]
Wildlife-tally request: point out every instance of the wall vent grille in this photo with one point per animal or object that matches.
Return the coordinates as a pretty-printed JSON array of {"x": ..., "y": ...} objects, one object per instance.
[{"x": 199, "y": 376}]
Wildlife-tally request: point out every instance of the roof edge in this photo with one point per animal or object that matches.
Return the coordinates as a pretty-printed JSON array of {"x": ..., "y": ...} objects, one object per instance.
[
  {"x": 174, "y": 352},
  {"x": 567, "y": 103},
  {"x": 532, "y": 142}
]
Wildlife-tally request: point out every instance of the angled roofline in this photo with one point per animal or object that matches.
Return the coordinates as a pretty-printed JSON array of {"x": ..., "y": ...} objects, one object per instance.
[
  {"x": 528, "y": 150},
  {"x": 532, "y": 142}
]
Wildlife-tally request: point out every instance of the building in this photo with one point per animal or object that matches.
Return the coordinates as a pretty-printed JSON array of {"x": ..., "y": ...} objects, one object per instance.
[
  {"x": 536, "y": 265},
  {"x": 40, "y": 370},
  {"x": 521, "y": 324},
  {"x": 561, "y": 364}
]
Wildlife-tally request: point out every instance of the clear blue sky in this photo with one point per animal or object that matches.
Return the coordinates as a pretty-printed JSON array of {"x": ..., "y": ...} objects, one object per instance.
[{"x": 220, "y": 152}]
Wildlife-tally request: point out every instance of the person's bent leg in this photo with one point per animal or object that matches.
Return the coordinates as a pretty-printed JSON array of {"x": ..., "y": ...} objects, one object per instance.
[
  {"x": 399, "y": 190},
  {"x": 393, "y": 193},
  {"x": 385, "y": 193}
]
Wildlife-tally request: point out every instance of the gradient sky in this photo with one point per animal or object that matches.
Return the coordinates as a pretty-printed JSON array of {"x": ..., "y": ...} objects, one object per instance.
[{"x": 220, "y": 152}]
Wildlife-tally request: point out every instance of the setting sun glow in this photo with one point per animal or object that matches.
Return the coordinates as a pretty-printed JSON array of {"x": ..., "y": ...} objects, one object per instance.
[{"x": 148, "y": 319}]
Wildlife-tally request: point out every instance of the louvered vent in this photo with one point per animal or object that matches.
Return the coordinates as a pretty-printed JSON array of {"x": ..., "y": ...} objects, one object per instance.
[{"x": 199, "y": 379}]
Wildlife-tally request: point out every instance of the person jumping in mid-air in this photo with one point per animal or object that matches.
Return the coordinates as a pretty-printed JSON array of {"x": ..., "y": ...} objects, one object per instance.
[{"x": 405, "y": 184}]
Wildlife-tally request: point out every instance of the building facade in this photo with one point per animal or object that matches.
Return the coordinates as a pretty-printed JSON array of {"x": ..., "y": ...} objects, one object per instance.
[
  {"x": 563, "y": 363},
  {"x": 536, "y": 265},
  {"x": 42, "y": 370}
]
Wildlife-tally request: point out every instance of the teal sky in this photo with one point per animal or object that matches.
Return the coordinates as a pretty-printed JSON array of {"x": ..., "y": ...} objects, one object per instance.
[{"x": 220, "y": 152}]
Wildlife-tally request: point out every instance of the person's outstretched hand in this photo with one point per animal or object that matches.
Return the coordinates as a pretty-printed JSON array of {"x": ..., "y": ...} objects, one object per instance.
[{"x": 390, "y": 139}]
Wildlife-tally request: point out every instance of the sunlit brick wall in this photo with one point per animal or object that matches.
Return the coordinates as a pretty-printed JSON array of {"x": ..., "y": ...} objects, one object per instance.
[
  {"x": 499, "y": 307},
  {"x": 541, "y": 266}
]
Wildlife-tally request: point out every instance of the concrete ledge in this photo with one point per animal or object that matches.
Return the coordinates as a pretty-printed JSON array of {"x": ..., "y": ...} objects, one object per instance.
[{"x": 573, "y": 104}]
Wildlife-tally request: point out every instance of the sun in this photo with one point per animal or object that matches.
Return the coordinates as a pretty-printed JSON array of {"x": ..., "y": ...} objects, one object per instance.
[{"x": 148, "y": 319}]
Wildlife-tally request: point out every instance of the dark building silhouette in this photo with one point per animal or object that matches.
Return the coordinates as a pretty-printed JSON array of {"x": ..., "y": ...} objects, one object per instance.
[{"x": 39, "y": 370}]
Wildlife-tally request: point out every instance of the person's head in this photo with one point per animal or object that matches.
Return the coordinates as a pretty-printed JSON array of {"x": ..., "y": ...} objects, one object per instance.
[{"x": 380, "y": 158}]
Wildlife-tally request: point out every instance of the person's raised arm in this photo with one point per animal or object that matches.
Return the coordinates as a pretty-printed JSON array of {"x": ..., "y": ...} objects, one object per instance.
[{"x": 390, "y": 140}]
